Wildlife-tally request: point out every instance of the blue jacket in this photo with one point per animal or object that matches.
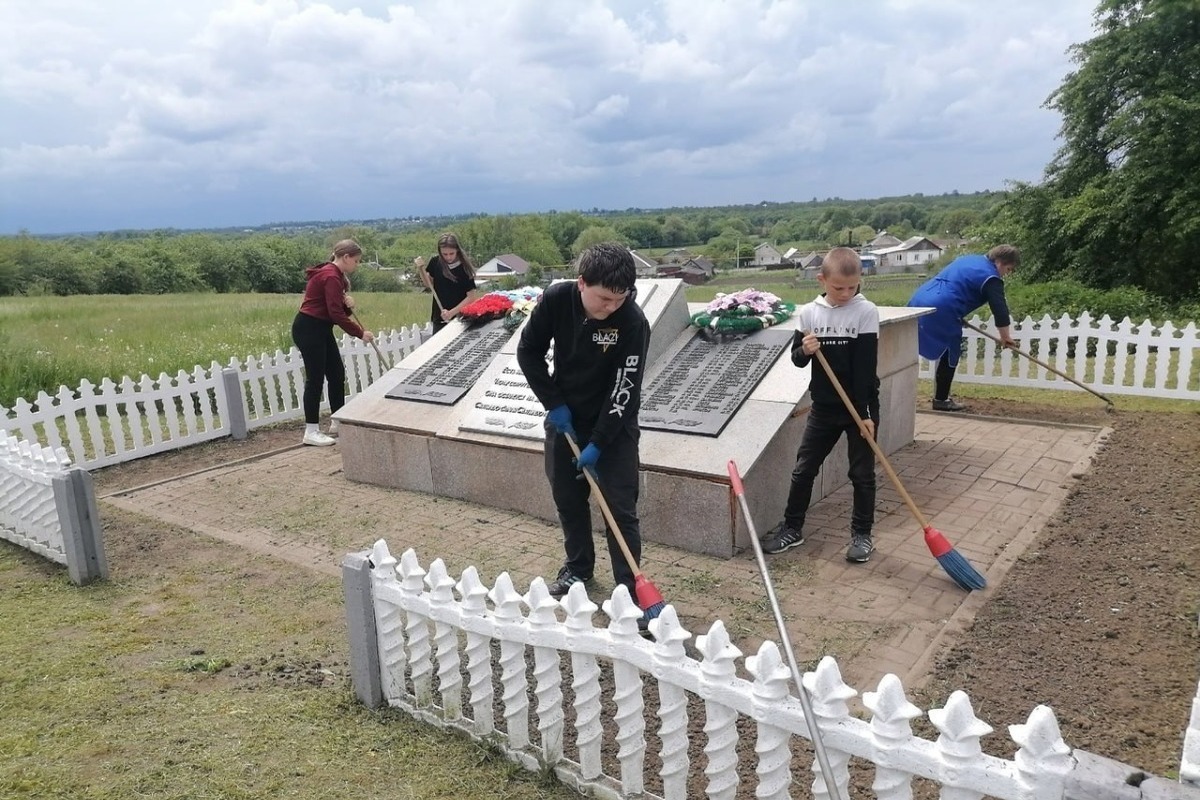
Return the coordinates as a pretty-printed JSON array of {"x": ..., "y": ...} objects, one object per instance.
[{"x": 955, "y": 292}]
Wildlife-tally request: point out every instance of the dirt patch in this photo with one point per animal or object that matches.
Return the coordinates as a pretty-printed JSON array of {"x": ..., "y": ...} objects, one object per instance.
[
  {"x": 1098, "y": 619},
  {"x": 177, "y": 463}
]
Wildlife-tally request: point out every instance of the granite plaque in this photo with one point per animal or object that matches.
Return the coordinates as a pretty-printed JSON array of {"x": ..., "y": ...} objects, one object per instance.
[
  {"x": 448, "y": 375},
  {"x": 508, "y": 407},
  {"x": 706, "y": 382}
]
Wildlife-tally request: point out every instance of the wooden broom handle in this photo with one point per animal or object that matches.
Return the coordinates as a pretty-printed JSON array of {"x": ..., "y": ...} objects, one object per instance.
[
  {"x": 862, "y": 427},
  {"x": 604, "y": 509},
  {"x": 419, "y": 263},
  {"x": 1040, "y": 363}
]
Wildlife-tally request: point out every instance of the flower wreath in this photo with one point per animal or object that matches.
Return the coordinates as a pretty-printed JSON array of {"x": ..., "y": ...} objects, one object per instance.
[
  {"x": 742, "y": 312},
  {"x": 511, "y": 306}
]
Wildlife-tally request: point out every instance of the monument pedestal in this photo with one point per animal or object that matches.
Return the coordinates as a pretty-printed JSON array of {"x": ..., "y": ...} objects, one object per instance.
[{"x": 478, "y": 449}]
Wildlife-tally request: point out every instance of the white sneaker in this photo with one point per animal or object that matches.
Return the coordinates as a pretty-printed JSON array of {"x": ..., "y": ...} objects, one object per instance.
[
  {"x": 333, "y": 427},
  {"x": 319, "y": 439}
]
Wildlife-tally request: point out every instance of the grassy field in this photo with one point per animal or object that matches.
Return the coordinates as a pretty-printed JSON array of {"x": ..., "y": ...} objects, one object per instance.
[
  {"x": 883, "y": 290},
  {"x": 50, "y": 342},
  {"x": 57, "y": 341},
  {"x": 185, "y": 677}
]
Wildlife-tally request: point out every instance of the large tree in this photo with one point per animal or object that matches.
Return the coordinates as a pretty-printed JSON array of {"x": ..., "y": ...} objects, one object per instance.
[{"x": 1120, "y": 203}]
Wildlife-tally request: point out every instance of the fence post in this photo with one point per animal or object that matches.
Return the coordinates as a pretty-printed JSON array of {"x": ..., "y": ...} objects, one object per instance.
[
  {"x": 235, "y": 410},
  {"x": 79, "y": 520},
  {"x": 360, "y": 624},
  {"x": 1097, "y": 778}
]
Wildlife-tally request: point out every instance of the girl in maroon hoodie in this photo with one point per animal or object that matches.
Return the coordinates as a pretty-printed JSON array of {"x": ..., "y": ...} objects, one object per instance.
[{"x": 325, "y": 304}]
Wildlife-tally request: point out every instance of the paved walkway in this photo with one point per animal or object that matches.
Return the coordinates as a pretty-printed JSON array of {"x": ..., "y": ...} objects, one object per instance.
[{"x": 989, "y": 485}]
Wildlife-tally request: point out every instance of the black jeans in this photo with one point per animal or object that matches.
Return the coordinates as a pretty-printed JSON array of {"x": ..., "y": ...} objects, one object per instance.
[
  {"x": 822, "y": 432},
  {"x": 322, "y": 364},
  {"x": 943, "y": 376},
  {"x": 617, "y": 477}
]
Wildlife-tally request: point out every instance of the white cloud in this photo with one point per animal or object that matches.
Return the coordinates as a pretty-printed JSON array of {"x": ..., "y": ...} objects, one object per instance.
[{"x": 238, "y": 112}]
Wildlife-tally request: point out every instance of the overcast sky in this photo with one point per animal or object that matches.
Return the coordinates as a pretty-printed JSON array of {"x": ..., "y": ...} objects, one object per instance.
[{"x": 206, "y": 113}]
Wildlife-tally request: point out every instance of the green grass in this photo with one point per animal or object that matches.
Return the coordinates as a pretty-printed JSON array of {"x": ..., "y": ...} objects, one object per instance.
[
  {"x": 1064, "y": 399},
  {"x": 57, "y": 341},
  {"x": 200, "y": 672},
  {"x": 883, "y": 290}
]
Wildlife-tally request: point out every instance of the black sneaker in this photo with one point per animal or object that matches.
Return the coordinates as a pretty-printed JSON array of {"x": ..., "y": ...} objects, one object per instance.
[
  {"x": 949, "y": 404},
  {"x": 563, "y": 583},
  {"x": 644, "y": 628},
  {"x": 782, "y": 537},
  {"x": 860, "y": 549}
]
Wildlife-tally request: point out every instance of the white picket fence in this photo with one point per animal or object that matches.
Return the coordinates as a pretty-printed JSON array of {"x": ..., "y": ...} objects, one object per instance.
[
  {"x": 49, "y": 508},
  {"x": 27, "y": 513},
  {"x": 127, "y": 419},
  {"x": 121, "y": 421},
  {"x": 413, "y": 642},
  {"x": 1110, "y": 357}
]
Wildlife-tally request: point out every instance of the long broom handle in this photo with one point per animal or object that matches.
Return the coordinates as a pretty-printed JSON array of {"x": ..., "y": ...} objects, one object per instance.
[
  {"x": 420, "y": 264},
  {"x": 604, "y": 509},
  {"x": 1040, "y": 363},
  {"x": 735, "y": 480},
  {"x": 887, "y": 467},
  {"x": 378, "y": 352}
]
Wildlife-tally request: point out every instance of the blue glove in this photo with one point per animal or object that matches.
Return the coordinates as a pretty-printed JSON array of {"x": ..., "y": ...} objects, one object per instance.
[
  {"x": 560, "y": 418},
  {"x": 588, "y": 458}
]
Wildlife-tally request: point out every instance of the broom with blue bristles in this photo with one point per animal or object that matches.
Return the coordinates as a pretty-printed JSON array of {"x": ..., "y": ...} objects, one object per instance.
[
  {"x": 649, "y": 598},
  {"x": 955, "y": 564}
]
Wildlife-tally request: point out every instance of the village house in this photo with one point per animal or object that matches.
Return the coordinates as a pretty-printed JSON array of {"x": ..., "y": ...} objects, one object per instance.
[
  {"x": 694, "y": 271},
  {"x": 502, "y": 266},
  {"x": 911, "y": 255},
  {"x": 882, "y": 240},
  {"x": 679, "y": 255},
  {"x": 767, "y": 255},
  {"x": 645, "y": 267}
]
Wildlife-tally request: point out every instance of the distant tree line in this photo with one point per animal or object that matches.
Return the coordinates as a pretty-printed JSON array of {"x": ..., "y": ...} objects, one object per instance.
[{"x": 273, "y": 261}]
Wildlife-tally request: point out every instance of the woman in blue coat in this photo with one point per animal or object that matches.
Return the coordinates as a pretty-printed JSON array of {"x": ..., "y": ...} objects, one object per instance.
[{"x": 964, "y": 285}]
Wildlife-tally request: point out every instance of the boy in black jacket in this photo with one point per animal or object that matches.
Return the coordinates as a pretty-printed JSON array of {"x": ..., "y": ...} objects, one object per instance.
[
  {"x": 844, "y": 325},
  {"x": 600, "y": 338}
]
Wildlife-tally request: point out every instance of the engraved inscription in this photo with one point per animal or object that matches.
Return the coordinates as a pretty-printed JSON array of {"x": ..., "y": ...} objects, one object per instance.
[
  {"x": 451, "y": 373},
  {"x": 706, "y": 382},
  {"x": 508, "y": 407}
]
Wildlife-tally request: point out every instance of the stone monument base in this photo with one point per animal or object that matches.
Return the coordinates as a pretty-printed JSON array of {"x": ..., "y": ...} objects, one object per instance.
[{"x": 685, "y": 500}]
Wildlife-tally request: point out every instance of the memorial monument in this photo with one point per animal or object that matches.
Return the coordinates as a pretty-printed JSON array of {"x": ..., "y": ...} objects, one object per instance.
[{"x": 456, "y": 418}]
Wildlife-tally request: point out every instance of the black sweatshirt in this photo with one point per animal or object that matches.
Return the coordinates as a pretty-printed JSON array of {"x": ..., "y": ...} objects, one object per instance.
[
  {"x": 849, "y": 337},
  {"x": 598, "y": 364}
]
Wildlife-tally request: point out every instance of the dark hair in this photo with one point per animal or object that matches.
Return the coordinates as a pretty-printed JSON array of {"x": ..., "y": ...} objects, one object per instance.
[
  {"x": 448, "y": 239},
  {"x": 608, "y": 264},
  {"x": 1005, "y": 254},
  {"x": 346, "y": 247}
]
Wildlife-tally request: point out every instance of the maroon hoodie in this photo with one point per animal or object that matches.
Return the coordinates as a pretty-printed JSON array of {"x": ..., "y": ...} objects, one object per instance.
[{"x": 325, "y": 297}]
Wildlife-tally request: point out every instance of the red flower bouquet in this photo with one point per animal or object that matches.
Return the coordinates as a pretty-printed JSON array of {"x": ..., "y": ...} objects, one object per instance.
[{"x": 488, "y": 307}]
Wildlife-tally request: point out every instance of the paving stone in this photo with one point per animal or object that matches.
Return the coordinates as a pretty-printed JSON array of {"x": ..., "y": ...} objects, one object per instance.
[{"x": 988, "y": 485}]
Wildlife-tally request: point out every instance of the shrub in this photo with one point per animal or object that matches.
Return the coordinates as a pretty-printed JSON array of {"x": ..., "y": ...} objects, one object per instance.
[{"x": 1058, "y": 297}]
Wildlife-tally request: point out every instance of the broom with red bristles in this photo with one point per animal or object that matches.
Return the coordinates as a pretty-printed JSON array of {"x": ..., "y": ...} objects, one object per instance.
[
  {"x": 956, "y": 566},
  {"x": 649, "y": 598}
]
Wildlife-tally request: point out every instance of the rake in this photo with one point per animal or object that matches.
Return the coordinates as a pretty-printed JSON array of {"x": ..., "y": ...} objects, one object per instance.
[
  {"x": 387, "y": 362},
  {"x": 735, "y": 480},
  {"x": 1109, "y": 405}
]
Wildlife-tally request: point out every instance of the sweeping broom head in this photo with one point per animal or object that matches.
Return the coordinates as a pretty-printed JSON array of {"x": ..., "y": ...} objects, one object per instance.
[
  {"x": 936, "y": 542},
  {"x": 649, "y": 598},
  {"x": 955, "y": 565}
]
